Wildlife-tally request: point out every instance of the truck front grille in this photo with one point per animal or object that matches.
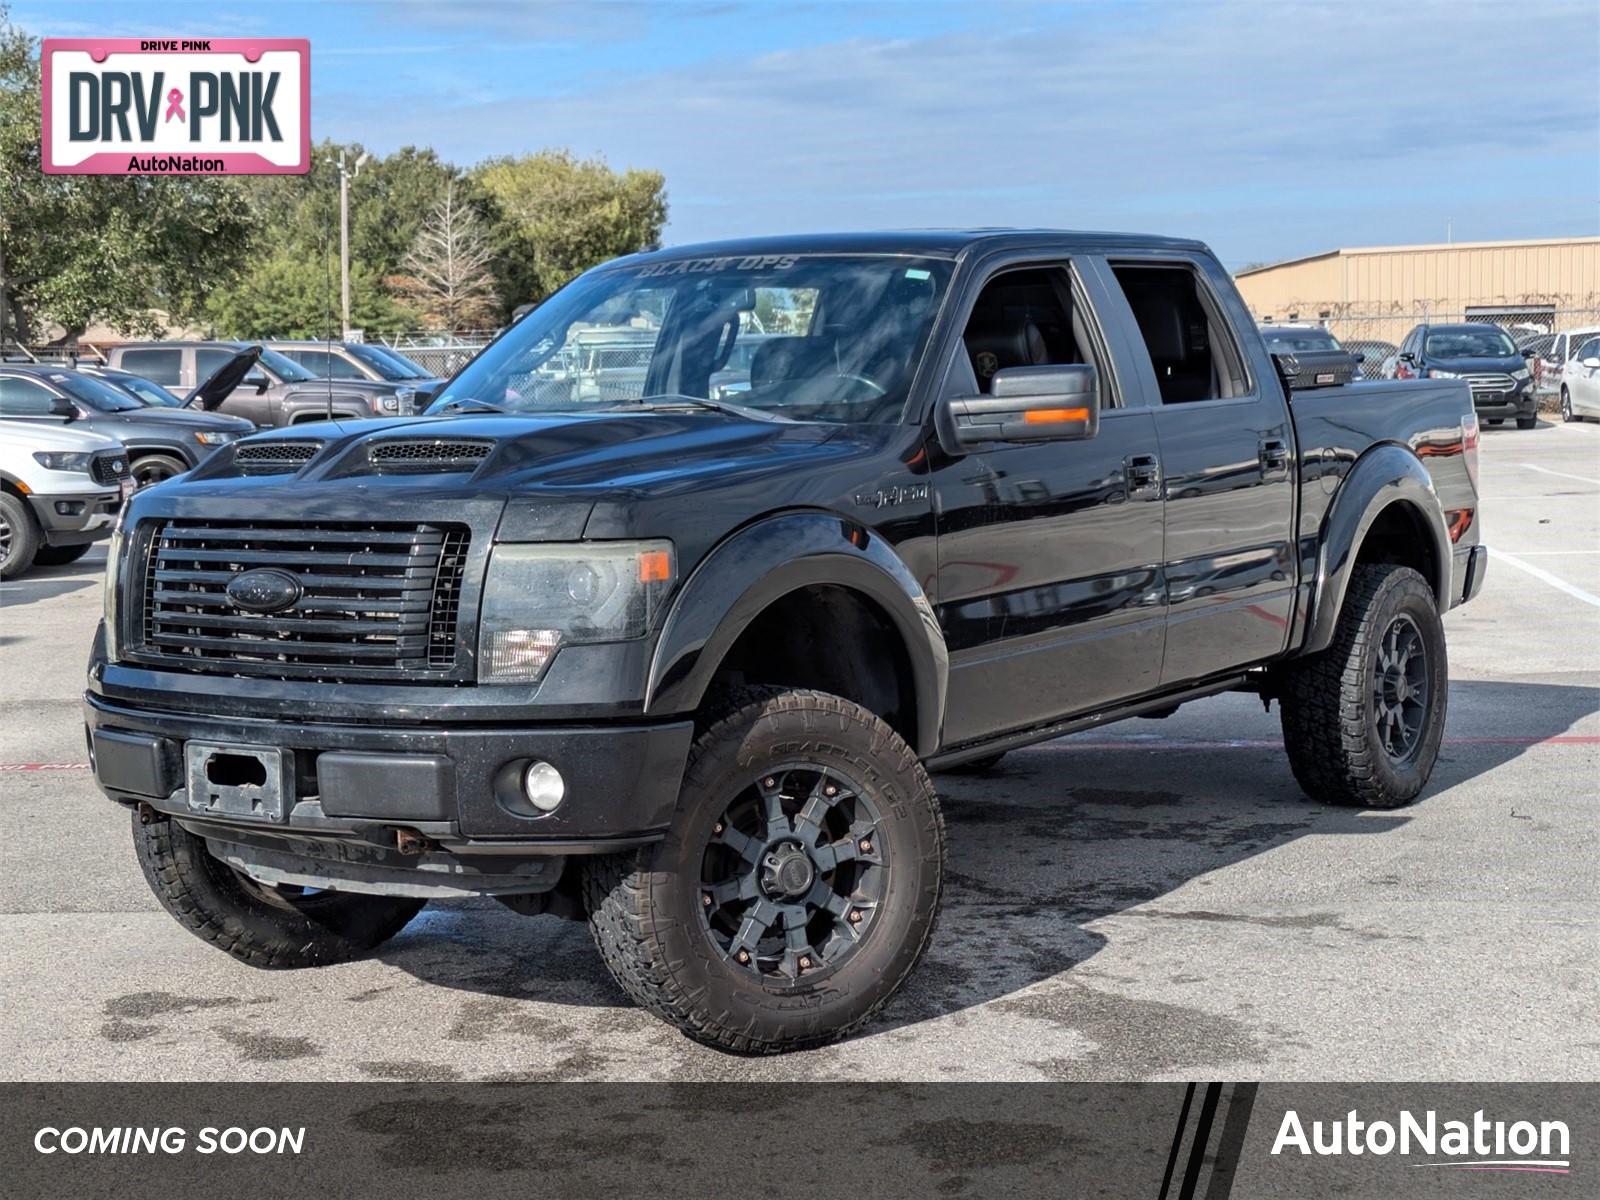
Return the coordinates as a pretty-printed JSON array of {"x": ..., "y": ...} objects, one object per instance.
[
  {"x": 109, "y": 467},
  {"x": 376, "y": 600}
]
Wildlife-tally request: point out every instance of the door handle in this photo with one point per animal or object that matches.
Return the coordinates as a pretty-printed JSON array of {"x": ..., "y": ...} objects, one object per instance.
[
  {"x": 1274, "y": 456},
  {"x": 1142, "y": 476}
]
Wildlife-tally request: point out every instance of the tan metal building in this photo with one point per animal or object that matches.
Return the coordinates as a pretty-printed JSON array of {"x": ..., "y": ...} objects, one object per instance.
[{"x": 1382, "y": 291}]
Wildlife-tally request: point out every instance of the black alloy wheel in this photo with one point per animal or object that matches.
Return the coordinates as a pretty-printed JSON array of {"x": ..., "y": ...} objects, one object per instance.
[
  {"x": 793, "y": 873},
  {"x": 1400, "y": 689}
]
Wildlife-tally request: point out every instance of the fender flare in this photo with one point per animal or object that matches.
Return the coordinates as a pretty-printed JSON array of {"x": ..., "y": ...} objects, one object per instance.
[
  {"x": 180, "y": 452},
  {"x": 1385, "y": 475},
  {"x": 765, "y": 561}
]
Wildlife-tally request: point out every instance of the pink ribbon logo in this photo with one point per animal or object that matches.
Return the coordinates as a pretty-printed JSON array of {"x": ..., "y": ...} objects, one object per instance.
[{"x": 175, "y": 105}]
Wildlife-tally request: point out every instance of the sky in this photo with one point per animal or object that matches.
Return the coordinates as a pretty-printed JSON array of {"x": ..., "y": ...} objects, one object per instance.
[{"x": 1270, "y": 130}]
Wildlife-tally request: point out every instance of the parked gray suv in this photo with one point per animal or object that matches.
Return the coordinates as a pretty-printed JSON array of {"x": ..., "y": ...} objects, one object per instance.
[
  {"x": 161, "y": 442},
  {"x": 277, "y": 392}
]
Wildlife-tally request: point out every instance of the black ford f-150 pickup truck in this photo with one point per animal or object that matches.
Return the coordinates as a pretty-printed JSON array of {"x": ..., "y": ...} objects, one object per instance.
[{"x": 597, "y": 640}]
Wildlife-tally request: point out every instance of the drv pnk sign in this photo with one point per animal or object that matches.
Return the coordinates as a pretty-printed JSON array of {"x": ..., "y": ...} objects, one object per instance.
[{"x": 206, "y": 106}]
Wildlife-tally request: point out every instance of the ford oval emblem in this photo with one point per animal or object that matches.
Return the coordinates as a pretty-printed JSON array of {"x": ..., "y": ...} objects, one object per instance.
[{"x": 264, "y": 591}]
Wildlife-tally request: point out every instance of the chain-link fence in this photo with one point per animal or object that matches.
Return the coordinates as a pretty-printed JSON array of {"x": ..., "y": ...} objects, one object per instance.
[{"x": 441, "y": 354}]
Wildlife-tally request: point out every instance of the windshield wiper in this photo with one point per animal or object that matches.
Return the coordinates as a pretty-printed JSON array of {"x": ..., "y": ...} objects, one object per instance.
[
  {"x": 672, "y": 400},
  {"x": 471, "y": 402}
]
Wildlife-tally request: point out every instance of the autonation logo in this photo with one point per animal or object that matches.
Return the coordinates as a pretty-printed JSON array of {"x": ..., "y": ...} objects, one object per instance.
[{"x": 1480, "y": 1144}]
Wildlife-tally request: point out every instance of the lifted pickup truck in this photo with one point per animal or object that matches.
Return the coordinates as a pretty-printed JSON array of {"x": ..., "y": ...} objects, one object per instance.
[{"x": 681, "y": 665}]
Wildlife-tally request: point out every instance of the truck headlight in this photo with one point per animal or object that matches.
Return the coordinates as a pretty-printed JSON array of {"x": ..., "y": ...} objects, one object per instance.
[
  {"x": 540, "y": 597},
  {"x": 1522, "y": 375},
  {"x": 108, "y": 596},
  {"x": 215, "y": 437},
  {"x": 57, "y": 460},
  {"x": 389, "y": 403}
]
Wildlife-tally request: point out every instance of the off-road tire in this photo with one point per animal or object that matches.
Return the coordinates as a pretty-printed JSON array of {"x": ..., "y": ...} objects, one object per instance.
[
  {"x": 644, "y": 905},
  {"x": 257, "y": 925},
  {"x": 1527, "y": 422},
  {"x": 976, "y": 766},
  {"x": 1329, "y": 728},
  {"x": 60, "y": 556},
  {"x": 22, "y": 544}
]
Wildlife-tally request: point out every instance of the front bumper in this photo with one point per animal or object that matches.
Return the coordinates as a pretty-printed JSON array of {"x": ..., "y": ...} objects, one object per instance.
[
  {"x": 350, "y": 790},
  {"x": 70, "y": 519},
  {"x": 1521, "y": 402}
]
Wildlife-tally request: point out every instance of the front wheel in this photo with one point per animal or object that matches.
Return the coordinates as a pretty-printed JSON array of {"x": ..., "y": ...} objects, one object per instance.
[
  {"x": 798, "y": 884},
  {"x": 1527, "y": 422},
  {"x": 1567, "y": 416},
  {"x": 19, "y": 537},
  {"x": 152, "y": 469},
  {"x": 258, "y": 923},
  {"x": 1363, "y": 719}
]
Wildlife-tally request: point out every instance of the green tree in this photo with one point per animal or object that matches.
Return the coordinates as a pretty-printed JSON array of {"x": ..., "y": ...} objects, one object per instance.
[
  {"x": 114, "y": 248},
  {"x": 289, "y": 294},
  {"x": 559, "y": 215}
]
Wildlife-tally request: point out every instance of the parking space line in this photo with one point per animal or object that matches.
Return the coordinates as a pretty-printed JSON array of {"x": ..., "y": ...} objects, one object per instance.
[
  {"x": 1544, "y": 576},
  {"x": 1561, "y": 474}
]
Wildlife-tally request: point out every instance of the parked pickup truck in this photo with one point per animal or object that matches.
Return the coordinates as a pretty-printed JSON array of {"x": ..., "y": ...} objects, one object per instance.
[{"x": 682, "y": 665}]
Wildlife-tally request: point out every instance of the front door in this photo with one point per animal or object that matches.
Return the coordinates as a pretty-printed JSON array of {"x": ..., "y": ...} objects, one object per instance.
[
  {"x": 1228, "y": 454},
  {"x": 1048, "y": 587}
]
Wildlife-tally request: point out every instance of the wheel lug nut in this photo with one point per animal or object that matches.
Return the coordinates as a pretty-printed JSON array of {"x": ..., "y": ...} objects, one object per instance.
[
  {"x": 706, "y": 899},
  {"x": 855, "y": 916},
  {"x": 805, "y": 964},
  {"x": 744, "y": 956},
  {"x": 717, "y": 828},
  {"x": 768, "y": 781},
  {"x": 866, "y": 845},
  {"x": 830, "y": 790}
]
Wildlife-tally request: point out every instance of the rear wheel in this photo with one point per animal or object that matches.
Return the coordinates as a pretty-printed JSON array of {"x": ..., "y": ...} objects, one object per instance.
[
  {"x": 258, "y": 923},
  {"x": 797, "y": 887},
  {"x": 19, "y": 537},
  {"x": 60, "y": 556},
  {"x": 1363, "y": 719}
]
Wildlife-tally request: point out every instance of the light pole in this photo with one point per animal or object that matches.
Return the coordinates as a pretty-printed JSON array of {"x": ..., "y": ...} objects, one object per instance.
[{"x": 345, "y": 176}]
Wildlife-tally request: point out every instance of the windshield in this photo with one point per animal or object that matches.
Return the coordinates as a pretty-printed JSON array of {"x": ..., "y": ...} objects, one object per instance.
[
  {"x": 811, "y": 337},
  {"x": 96, "y": 393},
  {"x": 284, "y": 367},
  {"x": 1487, "y": 342},
  {"x": 1291, "y": 340},
  {"x": 151, "y": 393},
  {"x": 386, "y": 362}
]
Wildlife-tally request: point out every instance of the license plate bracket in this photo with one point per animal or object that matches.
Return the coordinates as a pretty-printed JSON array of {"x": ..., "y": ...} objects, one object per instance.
[{"x": 248, "y": 783}]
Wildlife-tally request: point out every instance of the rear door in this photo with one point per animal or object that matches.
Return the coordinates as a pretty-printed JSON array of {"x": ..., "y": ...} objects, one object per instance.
[
  {"x": 1229, "y": 462},
  {"x": 1048, "y": 588}
]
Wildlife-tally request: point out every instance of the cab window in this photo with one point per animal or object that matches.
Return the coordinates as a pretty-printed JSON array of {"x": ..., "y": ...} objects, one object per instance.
[
  {"x": 159, "y": 365},
  {"x": 1190, "y": 346},
  {"x": 1025, "y": 318},
  {"x": 24, "y": 398}
]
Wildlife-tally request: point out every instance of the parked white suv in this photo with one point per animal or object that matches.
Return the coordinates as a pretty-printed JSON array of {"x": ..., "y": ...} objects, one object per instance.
[
  {"x": 1559, "y": 363},
  {"x": 60, "y": 490}
]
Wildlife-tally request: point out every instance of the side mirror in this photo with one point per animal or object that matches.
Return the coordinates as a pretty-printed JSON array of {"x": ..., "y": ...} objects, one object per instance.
[
  {"x": 1360, "y": 357},
  {"x": 1591, "y": 363},
  {"x": 258, "y": 381},
  {"x": 61, "y": 407},
  {"x": 1530, "y": 354},
  {"x": 1025, "y": 404},
  {"x": 1406, "y": 356}
]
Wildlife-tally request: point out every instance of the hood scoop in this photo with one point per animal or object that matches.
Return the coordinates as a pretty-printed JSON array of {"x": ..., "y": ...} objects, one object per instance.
[
  {"x": 413, "y": 455},
  {"x": 273, "y": 458}
]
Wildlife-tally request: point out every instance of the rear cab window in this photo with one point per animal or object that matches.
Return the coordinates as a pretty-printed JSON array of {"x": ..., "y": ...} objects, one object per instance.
[{"x": 1191, "y": 346}]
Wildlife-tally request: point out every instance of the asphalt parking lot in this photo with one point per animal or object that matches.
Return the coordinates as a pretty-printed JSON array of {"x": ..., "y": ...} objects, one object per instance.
[{"x": 1151, "y": 901}]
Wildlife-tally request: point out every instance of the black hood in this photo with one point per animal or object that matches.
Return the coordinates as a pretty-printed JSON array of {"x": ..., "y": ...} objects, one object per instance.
[{"x": 210, "y": 394}]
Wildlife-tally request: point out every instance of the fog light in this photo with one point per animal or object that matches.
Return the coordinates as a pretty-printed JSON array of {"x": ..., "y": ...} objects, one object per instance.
[{"x": 543, "y": 785}]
